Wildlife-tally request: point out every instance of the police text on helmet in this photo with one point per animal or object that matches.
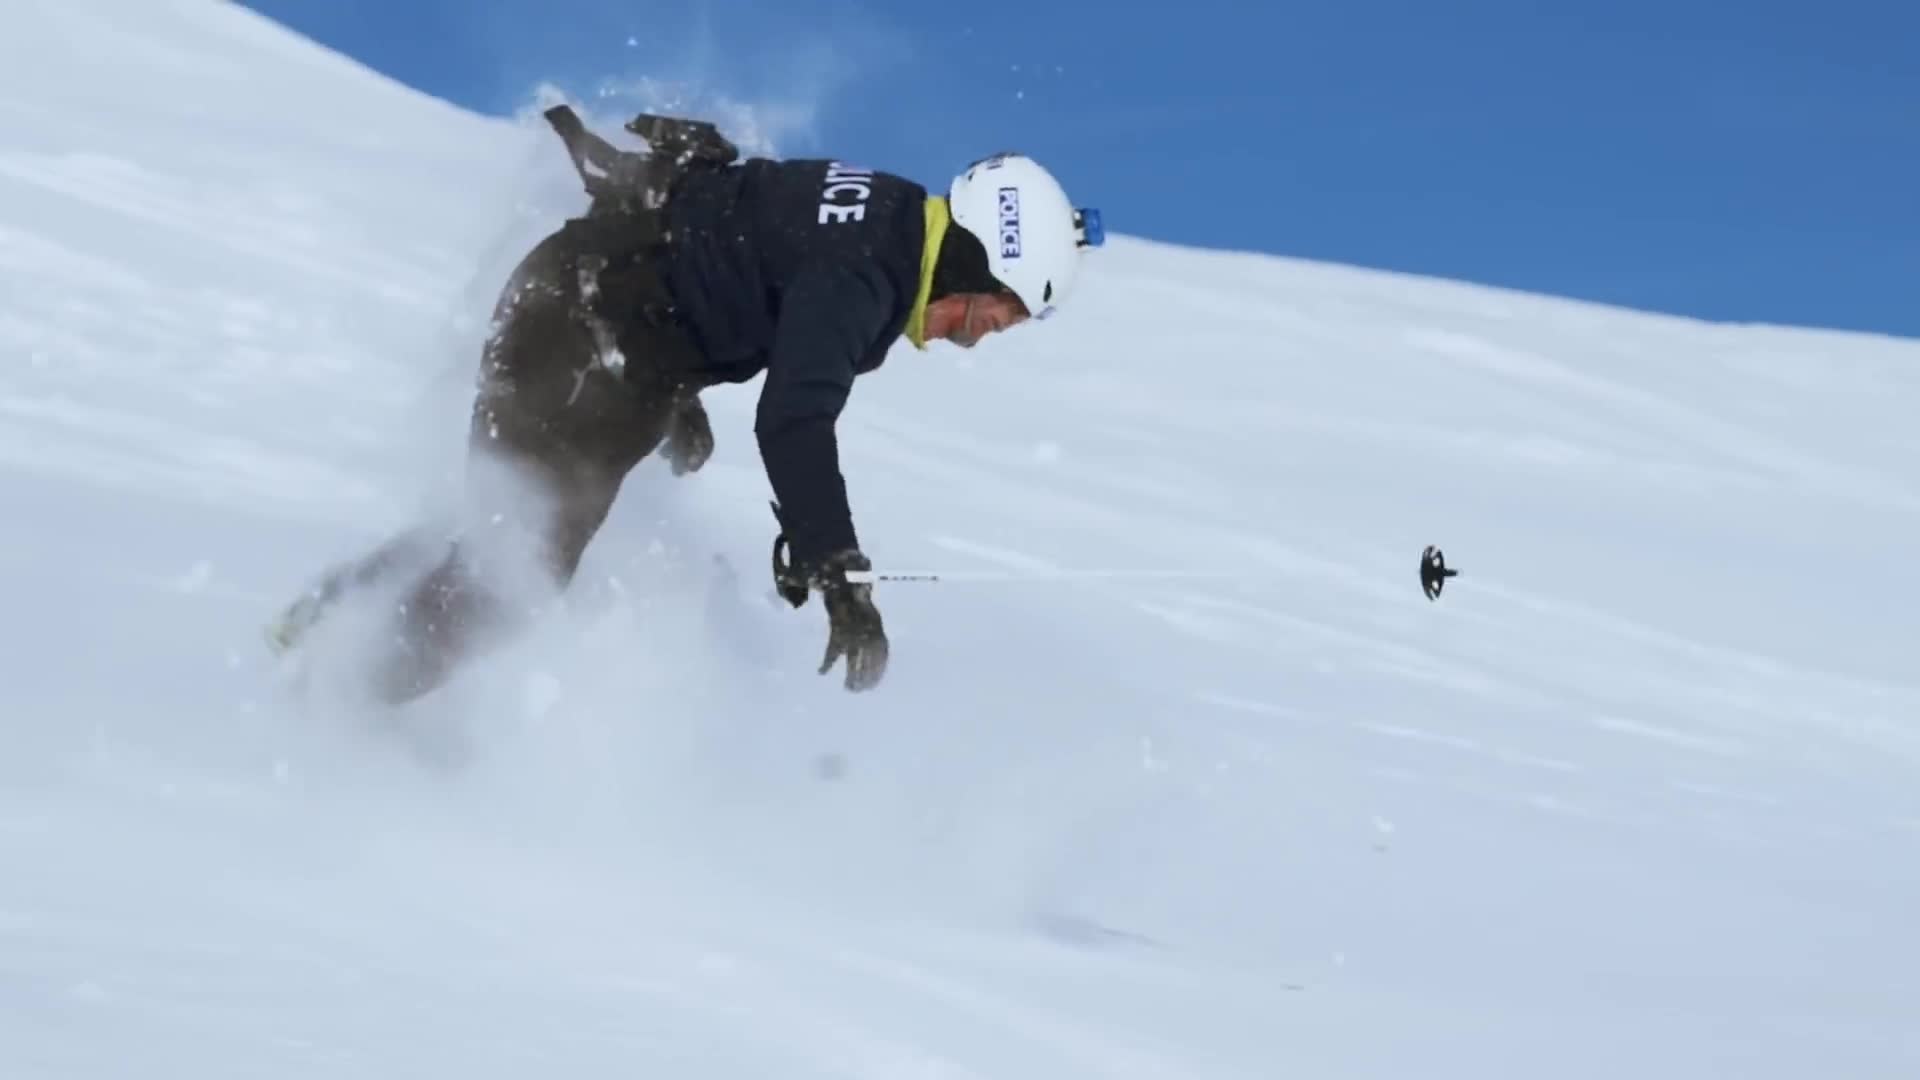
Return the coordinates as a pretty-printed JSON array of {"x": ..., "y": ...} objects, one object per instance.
[{"x": 1010, "y": 222}]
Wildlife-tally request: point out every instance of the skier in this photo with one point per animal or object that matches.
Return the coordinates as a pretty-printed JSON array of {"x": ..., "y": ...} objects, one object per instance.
[{"x": 693, "y": 268}]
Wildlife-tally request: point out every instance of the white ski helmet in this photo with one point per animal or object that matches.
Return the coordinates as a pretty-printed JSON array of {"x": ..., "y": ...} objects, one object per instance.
[{"x": 1033, "y": 234}]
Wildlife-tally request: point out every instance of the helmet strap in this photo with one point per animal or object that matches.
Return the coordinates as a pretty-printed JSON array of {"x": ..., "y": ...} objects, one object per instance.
[{"x": 966, "y": 338}]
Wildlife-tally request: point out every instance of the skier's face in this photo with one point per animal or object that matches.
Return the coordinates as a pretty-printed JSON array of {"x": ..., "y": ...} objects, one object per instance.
[{"x": 975, "y": 315}]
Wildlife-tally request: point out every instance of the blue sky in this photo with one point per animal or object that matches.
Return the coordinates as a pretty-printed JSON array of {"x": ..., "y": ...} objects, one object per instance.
[{"x": 1753, "y": 161}]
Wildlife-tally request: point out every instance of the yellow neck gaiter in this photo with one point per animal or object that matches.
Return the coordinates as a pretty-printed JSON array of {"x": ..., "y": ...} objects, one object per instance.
[{"x": 938, "y": 218}]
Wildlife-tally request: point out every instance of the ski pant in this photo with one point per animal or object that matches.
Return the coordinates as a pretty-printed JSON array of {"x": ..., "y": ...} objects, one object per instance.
[{"x": 565, "y": 411}]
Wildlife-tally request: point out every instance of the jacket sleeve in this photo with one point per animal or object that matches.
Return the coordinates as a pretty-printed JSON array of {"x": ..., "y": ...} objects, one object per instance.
[{"x": 829, "y": 319}]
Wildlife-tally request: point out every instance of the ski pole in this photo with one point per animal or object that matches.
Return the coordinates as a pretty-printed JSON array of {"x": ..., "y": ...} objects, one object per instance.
[
  {"x": 868, "y": 577},
  {"x": 1434, "y": 573}
]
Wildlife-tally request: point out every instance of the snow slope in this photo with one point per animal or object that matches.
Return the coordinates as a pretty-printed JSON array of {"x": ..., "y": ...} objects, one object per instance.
[{"x": 1637, "y": 798}]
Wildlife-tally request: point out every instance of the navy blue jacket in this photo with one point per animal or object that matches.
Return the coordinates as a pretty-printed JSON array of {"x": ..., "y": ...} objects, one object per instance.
[{"x": 807, "y": 270}]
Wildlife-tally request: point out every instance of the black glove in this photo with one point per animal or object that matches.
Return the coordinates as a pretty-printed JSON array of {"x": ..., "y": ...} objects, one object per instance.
[
  {"x": 854, "y": 627},
  {"x": 689, "y": 441}
]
